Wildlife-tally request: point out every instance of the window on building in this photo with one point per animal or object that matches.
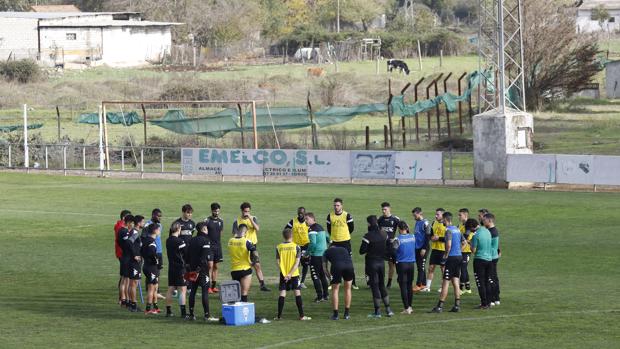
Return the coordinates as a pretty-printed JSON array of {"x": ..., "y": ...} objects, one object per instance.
[{"x": 71, "y": 36}]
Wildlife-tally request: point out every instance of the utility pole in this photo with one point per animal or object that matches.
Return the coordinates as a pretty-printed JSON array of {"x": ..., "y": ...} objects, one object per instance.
[{"x": 337, "y": 16}]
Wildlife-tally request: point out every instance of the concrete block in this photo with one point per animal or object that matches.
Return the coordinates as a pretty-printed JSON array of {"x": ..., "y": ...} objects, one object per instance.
[{"x": 496, "y": 135}]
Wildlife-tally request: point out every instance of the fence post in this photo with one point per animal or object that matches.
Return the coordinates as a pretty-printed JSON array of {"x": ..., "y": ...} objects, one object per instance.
[
  {"x": 10, "y": 148},
  {"x": 64, "y": 159},
  {"x": 428, "y": 113},
  {"x": 445, "y": 90},
  {"x": 122, "y": 159},
  {"x": 385, "y": 136},
  {"x": 460, "y": 91},
  {"x": 389, "y": 112},
  {"x": 84, "y": 158},
  {"x": 46, "y": 159},
  {"x": 241, "y": 124},
  {"x": 162, "y": 160},
  {"x": 141, "y": 160},
  {"x": 402, "y": 119},
  {"x": 437, "y": 110},
  {"x": 417, "y": 123},
  {"x": 58, "y": 122},
  {"x": 367, "y": 138}
]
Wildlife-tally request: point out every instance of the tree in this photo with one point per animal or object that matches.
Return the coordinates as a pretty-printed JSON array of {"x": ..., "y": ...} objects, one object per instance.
[
  {"x": 556, "y": 56},
  {"x": 601, "y": 15}
]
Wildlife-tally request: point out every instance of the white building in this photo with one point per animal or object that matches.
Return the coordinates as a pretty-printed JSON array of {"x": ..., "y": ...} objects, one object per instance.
[
  {"x": 585, "y": 12},
  {"x": 112, "y": 38}
]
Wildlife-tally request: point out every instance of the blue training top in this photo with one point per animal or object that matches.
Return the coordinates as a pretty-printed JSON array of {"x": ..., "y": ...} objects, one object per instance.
[
  {"x": 406, "y": 248},
  {"x": 421, "y": 240},
  {"x": 455, "y": 249}
]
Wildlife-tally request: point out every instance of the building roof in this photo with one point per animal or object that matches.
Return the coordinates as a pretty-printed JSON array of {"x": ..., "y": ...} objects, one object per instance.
[
  {"x": 107, "y": 23},
  {"x": 608, "y": 4},
  {"x": 56, "y": 15},
  {"x": 54, "y": 8}
]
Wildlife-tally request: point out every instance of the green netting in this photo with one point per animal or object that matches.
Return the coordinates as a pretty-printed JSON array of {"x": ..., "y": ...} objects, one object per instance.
[
  {"x": 126, "y": 119},
  {"x": 12, "y": 128},
  {"x": 215, "y": 125},
  {"x": 283, "y": 118}
]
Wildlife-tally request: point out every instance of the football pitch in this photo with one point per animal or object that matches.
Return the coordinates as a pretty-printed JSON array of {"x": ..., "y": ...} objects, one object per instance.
[{"x": 559, "y": 267}]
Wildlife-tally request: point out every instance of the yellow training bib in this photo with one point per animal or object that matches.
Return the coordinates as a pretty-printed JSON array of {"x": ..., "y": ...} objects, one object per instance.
[
  {"x": 300, "y": 232},
  {"x": 340, "y": 229}
]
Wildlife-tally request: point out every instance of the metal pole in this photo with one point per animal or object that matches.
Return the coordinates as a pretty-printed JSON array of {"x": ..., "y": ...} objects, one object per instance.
[
  {"x": 46, "y": 162},
  {"x": 64, "y": 158},
  {"x": 460, "y": 91},
  {"x": 367, "y": 138},
  {"x": 142, "y": 160},
  {"x": 144, "y": 121},
  {"x": 389, "y": 112},
  {"x": 501, "y": 57},
  {"x": 417, "y": 121},
  {"x": 26, "y": 155},
  {"x": 450, "y": 153},
  {"x": 385, "y": 136},
  {"x": 522, "y": 78},
  {"x": 241, "y": 125},
  {"x": 84, "y": 158},
  {"x": 101, "y": 154},
  {"x": 122, "y": 159},
  {"x": 10, "y": 149},
  {"x": 162, "y": 160},
  {"x": 419, "y": 56},
  {"x": 437, "y": 110}
]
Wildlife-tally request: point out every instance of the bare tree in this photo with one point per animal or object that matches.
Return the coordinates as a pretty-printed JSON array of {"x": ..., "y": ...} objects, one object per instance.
[{"x": 558, "y": 59}]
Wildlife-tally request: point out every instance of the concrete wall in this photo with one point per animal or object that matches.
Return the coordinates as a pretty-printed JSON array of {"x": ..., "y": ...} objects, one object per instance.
[
  {"x": 586, "y": 25},
  {"x": 19, "y": 36},
  {"x": 496, "y": 135},
  {"x": 87, "y": 44},
  {"x": 130, "y": 46},
  {"x": 612, "y": 79}
]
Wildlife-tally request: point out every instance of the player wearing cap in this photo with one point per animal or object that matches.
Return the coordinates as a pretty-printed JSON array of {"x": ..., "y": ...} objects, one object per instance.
[{"x": 374, "y": 246}]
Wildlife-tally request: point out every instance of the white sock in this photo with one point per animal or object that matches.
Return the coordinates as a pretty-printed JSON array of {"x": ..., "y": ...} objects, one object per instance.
[{"x": 428, "y": 283}]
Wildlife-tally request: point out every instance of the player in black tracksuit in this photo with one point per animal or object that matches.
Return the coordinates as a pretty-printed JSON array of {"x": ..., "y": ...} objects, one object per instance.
[
  {"x": 131, "y": 244},
  {"x": 151, "y": 267},
  {"x": 388, "y": 223},
  {"x": 200, "y": 255},
  {"x": 176, "y": 251},
  {"x": 374, "y": 246},
  {"x": 187, "y": 224}
]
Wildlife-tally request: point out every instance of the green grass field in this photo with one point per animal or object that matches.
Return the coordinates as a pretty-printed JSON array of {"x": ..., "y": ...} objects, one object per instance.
[{"x": 558, "y": 269}]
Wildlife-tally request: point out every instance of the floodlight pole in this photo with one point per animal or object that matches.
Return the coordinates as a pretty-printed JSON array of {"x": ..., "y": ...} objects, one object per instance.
[{"x": 26, "y": 155}]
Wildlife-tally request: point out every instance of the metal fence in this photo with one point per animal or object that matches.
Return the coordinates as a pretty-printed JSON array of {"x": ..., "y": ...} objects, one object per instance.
[{"x": 79, "y": 157}]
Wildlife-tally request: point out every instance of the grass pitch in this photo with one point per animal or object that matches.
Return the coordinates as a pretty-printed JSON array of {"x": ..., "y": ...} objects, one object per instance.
[{"x": 558, "y": 272}]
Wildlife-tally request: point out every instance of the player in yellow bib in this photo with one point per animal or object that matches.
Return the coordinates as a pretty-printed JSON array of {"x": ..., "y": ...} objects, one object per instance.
[
  {"x": 465, "y": 285},
  {"x": 300, "y": 237},
  {"x": 239, "y": 250},
  {"x": 438, "y": 247},
  {"x": 288, "y": 256},
  {"x": 251, "y": 223},
  {"x": 340, "y": 226}
]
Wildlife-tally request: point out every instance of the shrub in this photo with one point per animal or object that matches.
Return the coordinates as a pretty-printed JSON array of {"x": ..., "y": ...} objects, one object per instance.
[{"x": 23, "y": 71}]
